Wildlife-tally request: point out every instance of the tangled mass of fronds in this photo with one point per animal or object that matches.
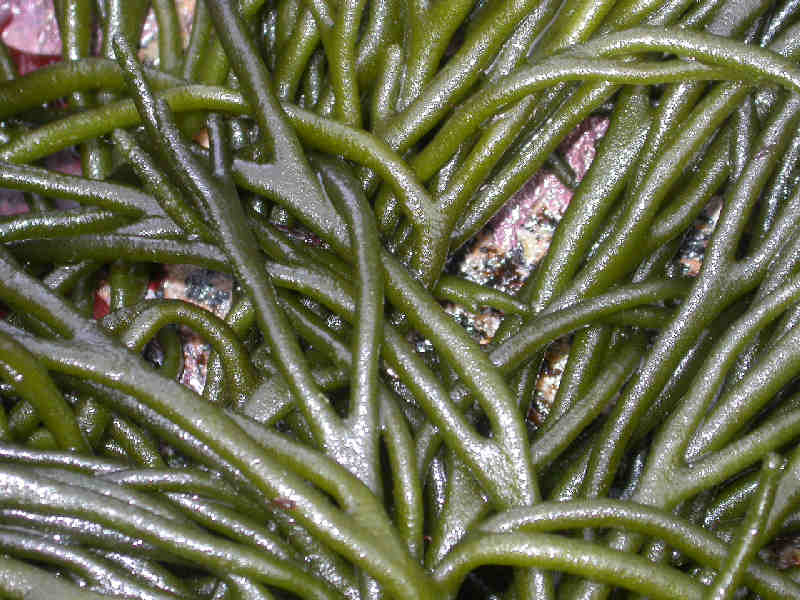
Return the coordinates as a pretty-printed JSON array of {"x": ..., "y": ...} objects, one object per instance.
[{"x": 334, "y": 156}]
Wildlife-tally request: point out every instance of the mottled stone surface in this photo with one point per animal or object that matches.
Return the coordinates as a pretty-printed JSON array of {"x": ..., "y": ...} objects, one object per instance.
[{"x": 31, "y": 26}]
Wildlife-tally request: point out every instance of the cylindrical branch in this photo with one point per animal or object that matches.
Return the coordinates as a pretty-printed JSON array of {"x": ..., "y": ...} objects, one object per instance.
[
  {"x": 694, "y": 541},
  {"x": 59, "y": 224},
  {"x": 185, "y": 481},
  {"x": 58, "y": 80},
  {"x": 394, "y": 428},
  {"x": 104, "y": 195},
  {"x": 362, "y": 419},
  {"x": 511, "y": 353},
  {"x": 109, "y": 247},
  {"x": 556, "y": 436},
  {"x": 577, "y": 557},
  {"x": 751, "y": 534},
  {"x": 169, "y": 197},
  {"x": 174, "y": 537},
  {"x": 33, "y": 384},
  {"x": 485, "y": 103},
  {"x": 474, "y": 296},
  {"x": 585, "y": 19},
  {"x": 295, "y": 56},
  {"x": 424, "y": 163},
  {"x": 429, "y": 33},
  {"x": 743, "y": 401},
  {"x": 429, "y": 391},
  {"x": 170, "y": 42},
  {"x": 21, "y": 579},
  {"x": 138, "y": 324},
  {"x": 341, "y": 54},
  {"x": 75, "y": 22}
]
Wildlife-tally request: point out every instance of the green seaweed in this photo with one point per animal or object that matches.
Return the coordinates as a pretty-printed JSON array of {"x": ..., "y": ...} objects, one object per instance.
[{"x": 326, "y": 457}]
